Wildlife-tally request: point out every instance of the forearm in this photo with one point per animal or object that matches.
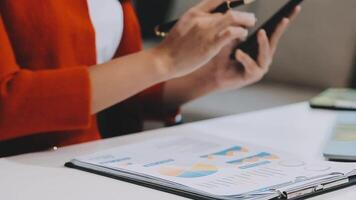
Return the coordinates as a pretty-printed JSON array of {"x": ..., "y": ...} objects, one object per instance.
[
  {"x": 124, "y": 77},
  {"x": 182, "y": 90},
  {"x": 193, "y": 42}
]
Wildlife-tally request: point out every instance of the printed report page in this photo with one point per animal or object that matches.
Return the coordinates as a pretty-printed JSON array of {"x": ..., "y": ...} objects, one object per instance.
[{"x": 213, "y": 165}]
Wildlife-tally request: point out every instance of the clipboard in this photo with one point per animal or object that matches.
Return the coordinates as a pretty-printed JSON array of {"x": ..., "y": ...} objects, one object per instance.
[{"x": 288, "y": 192}]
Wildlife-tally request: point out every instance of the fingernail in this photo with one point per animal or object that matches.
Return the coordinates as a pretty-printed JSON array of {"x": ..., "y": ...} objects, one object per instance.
[
  {"x": 262, "y": 32},
  {"x": 255, "y": 18},
  {"x": 238, "y": 54}
]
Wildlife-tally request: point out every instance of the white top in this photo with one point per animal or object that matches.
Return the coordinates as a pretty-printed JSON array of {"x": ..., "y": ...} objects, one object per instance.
[{"x": 107, "y": 19}]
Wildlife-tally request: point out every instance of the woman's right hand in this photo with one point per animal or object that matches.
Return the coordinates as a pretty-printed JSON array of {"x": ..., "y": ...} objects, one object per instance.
[{"x": 199, "y": 36}]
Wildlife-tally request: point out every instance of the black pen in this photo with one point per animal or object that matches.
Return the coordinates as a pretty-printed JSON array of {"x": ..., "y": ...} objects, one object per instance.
[{"x": 162, "y": 30}]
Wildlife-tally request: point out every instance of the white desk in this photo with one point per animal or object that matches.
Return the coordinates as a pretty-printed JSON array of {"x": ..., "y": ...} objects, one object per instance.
[{"x": 296, "y": 129}]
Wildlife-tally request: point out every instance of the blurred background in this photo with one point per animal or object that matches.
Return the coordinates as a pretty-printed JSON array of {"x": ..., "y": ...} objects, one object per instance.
[{"x": 318, "y": 51}]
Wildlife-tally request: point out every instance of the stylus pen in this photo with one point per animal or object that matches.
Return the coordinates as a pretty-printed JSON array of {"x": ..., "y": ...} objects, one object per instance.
[{"x": 162, "y": 30}]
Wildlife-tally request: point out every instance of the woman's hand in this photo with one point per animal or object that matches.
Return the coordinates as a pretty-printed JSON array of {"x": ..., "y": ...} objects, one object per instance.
[
  {"x": 225, "y": 73},
  {"x": 222, "y": 73},
  {"x": 194, "y": 41},
  {"x": 199, "y": 36}
]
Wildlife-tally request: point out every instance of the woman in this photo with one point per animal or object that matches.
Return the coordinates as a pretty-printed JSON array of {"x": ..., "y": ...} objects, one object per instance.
[{"x": 62, "y": 62}]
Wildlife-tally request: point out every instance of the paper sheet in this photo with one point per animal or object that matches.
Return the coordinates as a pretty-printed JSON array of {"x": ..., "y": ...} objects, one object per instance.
[{"x": 213, "y": 165}]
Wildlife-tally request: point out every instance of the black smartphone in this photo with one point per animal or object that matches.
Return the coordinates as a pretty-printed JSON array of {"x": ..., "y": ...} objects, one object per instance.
[{"x": 250, "y": 46}]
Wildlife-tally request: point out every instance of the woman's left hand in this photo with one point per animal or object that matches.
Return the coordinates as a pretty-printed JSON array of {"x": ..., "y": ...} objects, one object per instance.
[
  {"x": 226, "y": 74},
  {"x": 222, "y": 73}
]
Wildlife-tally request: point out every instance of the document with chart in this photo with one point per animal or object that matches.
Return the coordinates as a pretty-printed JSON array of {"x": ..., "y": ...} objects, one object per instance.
[{"x": 207, "y": 167}]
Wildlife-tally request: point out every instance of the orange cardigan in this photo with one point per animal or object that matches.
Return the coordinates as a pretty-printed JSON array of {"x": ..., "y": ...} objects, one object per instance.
[{"x": 46, "y": 48}]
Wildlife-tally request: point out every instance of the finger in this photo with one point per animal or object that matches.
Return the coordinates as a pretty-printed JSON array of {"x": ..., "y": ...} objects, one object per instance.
[
  {"x": 249, "y": 64},
  {"x": 295, "y": 13},
  {"x": 264, "y": 55},
  {"x": 231, "y": 33},
  {"x": 209, "y": 5},
  {"x": 237, "y": 18},
  {"x": 276, "y": 36},
  {"x": 282, "y": 28}
]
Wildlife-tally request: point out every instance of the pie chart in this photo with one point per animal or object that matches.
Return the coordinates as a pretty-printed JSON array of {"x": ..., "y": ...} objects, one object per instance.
[{"x": 196, "y": 171}]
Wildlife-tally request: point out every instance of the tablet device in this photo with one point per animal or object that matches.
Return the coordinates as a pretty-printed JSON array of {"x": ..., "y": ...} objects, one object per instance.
[
  {"x": 250, "y": 46},
  {"x": 342, "y": 143}
]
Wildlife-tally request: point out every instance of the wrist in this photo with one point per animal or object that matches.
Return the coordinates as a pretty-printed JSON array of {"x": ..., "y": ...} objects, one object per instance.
[
  {"x": 205, "y": 77},
  {"x": 162, "y": 62},
  {"x": 200, "y": 83}
]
